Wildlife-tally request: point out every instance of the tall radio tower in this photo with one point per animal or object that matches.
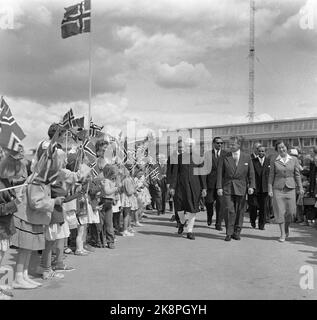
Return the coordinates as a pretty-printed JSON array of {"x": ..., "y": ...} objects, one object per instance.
[{"x": 251, "y": 63}]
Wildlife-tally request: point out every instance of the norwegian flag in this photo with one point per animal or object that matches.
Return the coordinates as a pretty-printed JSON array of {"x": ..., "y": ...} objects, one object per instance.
[
  {"x": 11, "y": 133},
  {"x": 154, "y": 174},
  {"x": 95, "y": 130},
  {"x": 78, "y": 122},
  {"x": 92, "y": 165},
  {"x": 89, "y": 150},
  {"x": 76, "y": 19},
  {"x": 47, "y": 168},
  {"x": 68, "y": 119}
]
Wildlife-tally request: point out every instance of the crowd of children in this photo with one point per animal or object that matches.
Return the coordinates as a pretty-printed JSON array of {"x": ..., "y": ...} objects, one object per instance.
[{"x": 59, "y": 207}]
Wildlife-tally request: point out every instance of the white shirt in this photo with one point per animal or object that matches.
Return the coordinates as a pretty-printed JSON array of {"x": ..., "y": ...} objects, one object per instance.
[
  {"x": 236, "y": 156},
  {"x": 217, "y": 153},
  {"x": 284, "y": 160},
  {"x": 261, "y": 160}
]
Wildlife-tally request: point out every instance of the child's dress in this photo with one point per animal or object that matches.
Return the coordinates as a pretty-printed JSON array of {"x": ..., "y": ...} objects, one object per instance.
[
  {"x": 128, "y": 198},
  {"x": 143, "y": 192}
]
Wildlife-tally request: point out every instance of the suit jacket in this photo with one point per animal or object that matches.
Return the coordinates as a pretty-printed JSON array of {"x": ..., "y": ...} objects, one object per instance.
[
  {"x": 261, "y": 175},
  {"x": 234, "y": 180},
  {"x": 284, "y": 175},
  {"x": 170, "y": 166},
  {"x": 210, "y": 158}
]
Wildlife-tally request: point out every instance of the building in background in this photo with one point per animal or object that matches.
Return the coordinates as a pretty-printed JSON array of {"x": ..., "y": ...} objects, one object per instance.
[{"x": 299, "y": 133}]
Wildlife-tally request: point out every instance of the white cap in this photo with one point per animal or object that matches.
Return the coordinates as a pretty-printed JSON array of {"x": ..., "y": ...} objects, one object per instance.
[{"x": 293, "y": 152}]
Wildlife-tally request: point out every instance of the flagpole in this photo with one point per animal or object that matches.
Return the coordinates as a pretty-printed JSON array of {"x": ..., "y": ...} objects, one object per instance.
[
  {"x": 66, "y": 144},
  {"x": 15, "y": 187},
  {"x": 90, "y": 66}
]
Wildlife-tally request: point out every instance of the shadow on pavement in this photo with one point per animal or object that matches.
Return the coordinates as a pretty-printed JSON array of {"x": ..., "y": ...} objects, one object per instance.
[
  {"x": 308, "y": 237},
  {"x": 166, "y": 224},
  {"x": 258, "y": 237},
  {"x": 160, "y": 218},
  {"x": 160, "y": 233}
]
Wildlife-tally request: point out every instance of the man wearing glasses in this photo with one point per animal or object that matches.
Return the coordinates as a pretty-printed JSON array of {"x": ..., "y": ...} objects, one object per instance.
[
  {"x": 211, "y": 180},
  {"x": 235, "y": 177}
]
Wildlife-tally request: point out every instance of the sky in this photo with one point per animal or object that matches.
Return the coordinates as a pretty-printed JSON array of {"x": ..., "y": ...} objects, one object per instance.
[{"x": 165, "y": 64}]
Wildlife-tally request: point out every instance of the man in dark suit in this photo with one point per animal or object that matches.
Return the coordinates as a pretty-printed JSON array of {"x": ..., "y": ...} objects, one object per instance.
[
  {"x": 313, "y": 173},
  {"x": 188, "y": 185},
  {"x": 235, "y": 177},
  {"x": 255, "y": 152},
  {"x": 211, "y": 181},
  {"x": 261, "y": 166},
  {"x": 170, "y": 166}
]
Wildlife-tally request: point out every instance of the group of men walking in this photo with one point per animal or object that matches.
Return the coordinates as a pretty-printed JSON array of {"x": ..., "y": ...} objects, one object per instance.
[{"x": 234, "y": 181}]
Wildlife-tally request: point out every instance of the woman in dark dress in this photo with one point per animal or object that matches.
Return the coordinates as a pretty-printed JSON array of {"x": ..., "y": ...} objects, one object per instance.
[{"x": 187, "y": 187}]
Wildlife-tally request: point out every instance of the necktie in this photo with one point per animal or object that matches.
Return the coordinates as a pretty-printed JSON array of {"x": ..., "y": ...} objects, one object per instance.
[{"x": 236, "y": 159}]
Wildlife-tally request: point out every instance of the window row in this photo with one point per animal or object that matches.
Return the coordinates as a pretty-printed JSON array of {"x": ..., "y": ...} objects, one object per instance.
[{"x": 291, "y": 126}]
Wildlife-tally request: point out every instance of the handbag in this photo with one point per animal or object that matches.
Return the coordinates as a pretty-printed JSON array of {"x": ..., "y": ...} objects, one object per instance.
[
  {"x": 309, "y": 201},
  {"x": 57, "y": 215},
  {"x": 269, "y": 208}
]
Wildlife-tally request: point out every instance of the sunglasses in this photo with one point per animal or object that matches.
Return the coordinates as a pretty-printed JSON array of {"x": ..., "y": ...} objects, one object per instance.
[{"x": 219, "y": 142}]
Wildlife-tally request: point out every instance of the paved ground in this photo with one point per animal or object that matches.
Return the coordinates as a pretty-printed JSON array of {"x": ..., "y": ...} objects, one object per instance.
[{"x": 159, "y": 264}]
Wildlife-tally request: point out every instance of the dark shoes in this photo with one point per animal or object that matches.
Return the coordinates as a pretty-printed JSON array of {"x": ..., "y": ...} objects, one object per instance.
[
  {"x": 190, "y": 236},
  {"x": 111, "y": 245},
  {"x": 208, "y": 222},
  {"x": 228, "y": 238},
  {"x": 236, "y": 237},
  {"x": 219, "y": 228},
  {"x": 261, "y": 228},
  {"x": 253, "y": 225},
  {"x": 180, "y": 228}
]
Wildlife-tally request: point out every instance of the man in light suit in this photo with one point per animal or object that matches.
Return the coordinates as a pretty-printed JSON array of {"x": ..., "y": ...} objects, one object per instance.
[
  {"x": 235, "y": 177},
  {"x": 211, "y": 180},
  {"x": 261, "y": 166}
]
